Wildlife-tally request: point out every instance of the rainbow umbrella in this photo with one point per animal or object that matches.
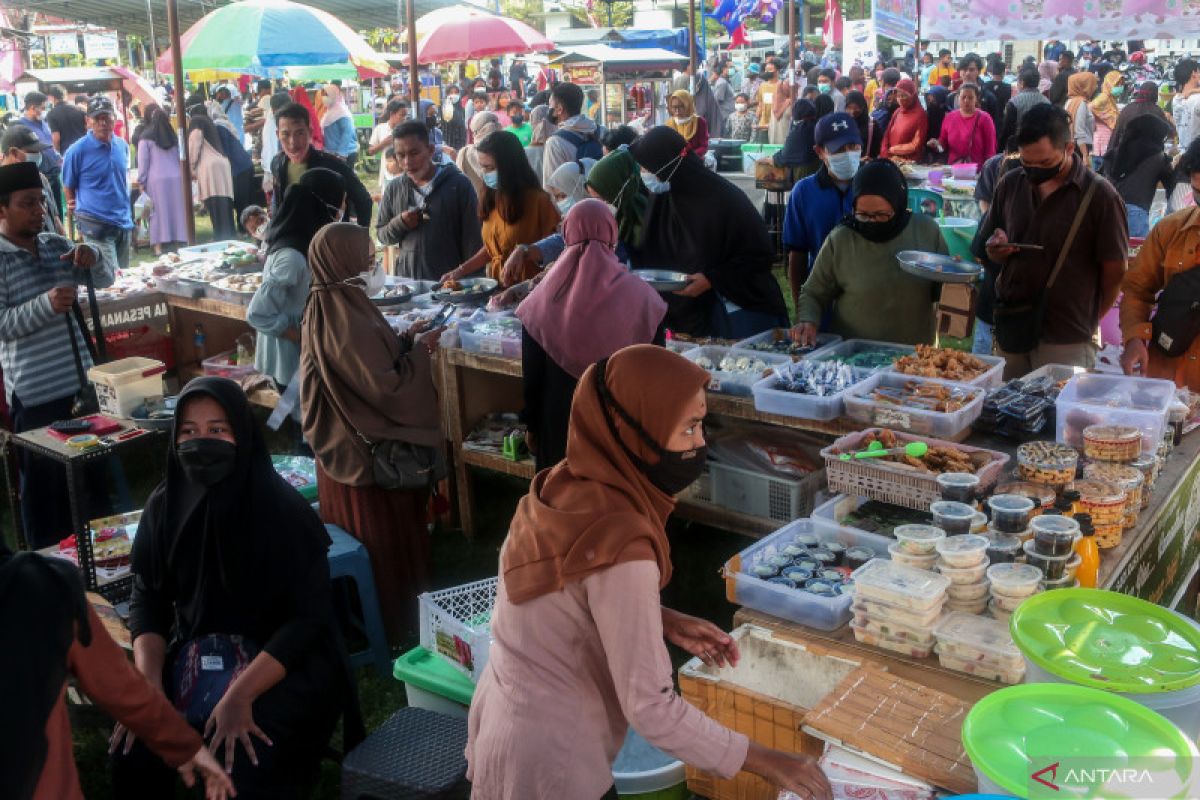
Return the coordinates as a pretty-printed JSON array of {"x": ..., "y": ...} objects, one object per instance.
[
  {"x": 459, "y": 33},
  {"x": 263, "y": 36}
]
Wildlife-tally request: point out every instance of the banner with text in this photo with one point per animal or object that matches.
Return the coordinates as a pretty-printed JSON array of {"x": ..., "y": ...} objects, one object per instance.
[
  {"x": 858, "y": 43},
  {"x": 1068, "y": 20}
]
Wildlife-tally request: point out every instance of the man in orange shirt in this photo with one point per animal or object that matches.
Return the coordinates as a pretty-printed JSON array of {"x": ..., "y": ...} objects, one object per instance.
[{"x": 944, "y": 69}]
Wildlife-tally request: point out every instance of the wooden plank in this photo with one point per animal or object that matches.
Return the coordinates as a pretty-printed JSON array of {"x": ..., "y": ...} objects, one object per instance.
[
  {"x": 208, "y": 306},
  {"x": 478, "y": 458}
]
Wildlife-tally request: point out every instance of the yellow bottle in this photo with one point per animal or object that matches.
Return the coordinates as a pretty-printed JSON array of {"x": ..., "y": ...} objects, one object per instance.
[{"x": 1089, "y": 553}]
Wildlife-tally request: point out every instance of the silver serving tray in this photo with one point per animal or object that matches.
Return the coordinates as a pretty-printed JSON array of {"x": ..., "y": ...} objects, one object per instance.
[
  {"x": 937, "y": 267},
  {"x": 663, "y": 280},
  {"x": 475, "y": 291}
]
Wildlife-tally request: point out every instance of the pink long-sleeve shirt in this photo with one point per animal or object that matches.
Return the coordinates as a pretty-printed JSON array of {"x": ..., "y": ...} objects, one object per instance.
[
  {"x": 963, "y": 145},
  {"x": 567, "y": 674}
]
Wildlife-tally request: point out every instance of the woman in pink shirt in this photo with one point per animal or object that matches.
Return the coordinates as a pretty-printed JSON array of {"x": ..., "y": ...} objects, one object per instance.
[
  {"x": 968, "y": 134},
  {"x": 578, "y": 654}
]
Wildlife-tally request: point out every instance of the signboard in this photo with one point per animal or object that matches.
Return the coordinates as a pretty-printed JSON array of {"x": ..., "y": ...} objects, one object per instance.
[
  {"x": 895, "y": 19},
  {"x": 1069, "y": 20},
  {"x": 588, "y": 75},
  {"x": 100, "y": 45},
  {"x": 858, "y": 43},
  {"x": 63, "y": 44}
]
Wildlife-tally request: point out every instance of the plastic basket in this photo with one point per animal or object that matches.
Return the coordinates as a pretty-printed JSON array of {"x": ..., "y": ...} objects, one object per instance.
[
  {"x": 738, "y": 384},
  {"x": 892, "y": 483},
  {"x": 761, "y": 494},
  {"x": 456, "y": 624},
  {"x": 862, "y": 407},
  {"x": 123, "y": 385},
  {"x": 220, "y": 366}
]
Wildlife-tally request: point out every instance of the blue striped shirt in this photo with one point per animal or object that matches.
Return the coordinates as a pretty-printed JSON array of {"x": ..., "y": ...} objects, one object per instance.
[{"x": 34, "y": 349}]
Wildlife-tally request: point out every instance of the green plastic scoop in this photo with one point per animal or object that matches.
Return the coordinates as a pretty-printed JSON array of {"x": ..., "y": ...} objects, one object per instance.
[{"x": 876, "y": 450}]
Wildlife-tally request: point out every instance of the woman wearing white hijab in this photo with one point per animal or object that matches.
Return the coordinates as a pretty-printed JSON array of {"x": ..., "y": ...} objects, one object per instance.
[
  {"x": 568, "y": 185},
  {"x": 483, "y": 124},
  {"x": 338, "y": 126},
  {"x": 543, "y": 129}
]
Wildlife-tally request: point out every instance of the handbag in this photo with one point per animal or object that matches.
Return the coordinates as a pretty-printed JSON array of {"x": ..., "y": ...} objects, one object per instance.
[
  {"x": 1018, "y": 327},
  {"x": 1176, "y": 322},
  {"x": 203, "y": 672},
  {"x": 86, "y": 402}
]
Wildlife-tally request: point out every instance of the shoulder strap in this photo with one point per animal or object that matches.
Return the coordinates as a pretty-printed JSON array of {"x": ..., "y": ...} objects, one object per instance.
[{"x": 1075, "y": 223}]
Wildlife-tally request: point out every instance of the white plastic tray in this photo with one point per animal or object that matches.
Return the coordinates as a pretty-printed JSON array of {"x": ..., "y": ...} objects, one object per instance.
[
  {"x": 739, "y": 384},
  {"x": 823, "y": 340},
  {"x": 861, "y": 407},
  {"x": 992, "y": 378},
  {"x": 771, "y": 400},
  {"x": 1113, "y": 400}
]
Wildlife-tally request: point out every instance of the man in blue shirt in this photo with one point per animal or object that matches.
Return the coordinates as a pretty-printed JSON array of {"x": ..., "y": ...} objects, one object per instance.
[
  {"x": 232, "y": 106},
  {"x": 1053, "y": 50},
  {"x": 820, "y": 201},
  {"x": 95, "y": 177},
  {"x": 51, "y": 163}
]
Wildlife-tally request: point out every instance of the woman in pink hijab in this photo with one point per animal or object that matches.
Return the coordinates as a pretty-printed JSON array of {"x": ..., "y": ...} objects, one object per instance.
[{"x": 587, "y": 307}]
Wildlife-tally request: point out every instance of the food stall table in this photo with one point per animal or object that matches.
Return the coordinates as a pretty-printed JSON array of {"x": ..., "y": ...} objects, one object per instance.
[{"x": 75, "y": 461}]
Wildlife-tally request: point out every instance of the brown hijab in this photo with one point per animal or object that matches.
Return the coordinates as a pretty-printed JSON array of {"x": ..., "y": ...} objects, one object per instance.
[
  {"x": 357, "y": 381},
  {"x": 596, "y": 508}
]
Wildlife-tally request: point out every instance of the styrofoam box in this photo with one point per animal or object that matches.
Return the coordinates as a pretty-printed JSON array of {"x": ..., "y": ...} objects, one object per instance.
[
  {"x": 823, "y": 340},
  {"x": 1093, "y": 398},
  {"x": 824, "y": 613},
  {"x": 124, "y": 384},
  {"x": 771, "y": 400},
  {"x": 740, "y": 384},
  {"x": 860, "y": 406},
  {"x": 993, "y": 377}
]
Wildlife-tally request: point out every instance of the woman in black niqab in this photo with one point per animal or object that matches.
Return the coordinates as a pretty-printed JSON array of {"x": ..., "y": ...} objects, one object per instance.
[
  {"x": 797, "y": 149},
  {"x": 704, "y": 224},
  {"x": 226, "y": 546},
  {"x": 308, "y": 205}
]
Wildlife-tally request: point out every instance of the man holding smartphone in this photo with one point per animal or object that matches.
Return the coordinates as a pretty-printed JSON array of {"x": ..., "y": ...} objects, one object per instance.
[{"x": 39, "y": 273}]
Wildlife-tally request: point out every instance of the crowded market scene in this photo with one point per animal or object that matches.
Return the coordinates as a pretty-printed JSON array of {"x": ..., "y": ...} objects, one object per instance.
[{"x": 536, "y": 400}]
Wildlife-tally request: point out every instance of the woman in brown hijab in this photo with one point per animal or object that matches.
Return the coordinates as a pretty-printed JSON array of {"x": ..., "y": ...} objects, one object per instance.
[
  {"x": 577, "y": 654},
  {"x": 361, "y": 382}
]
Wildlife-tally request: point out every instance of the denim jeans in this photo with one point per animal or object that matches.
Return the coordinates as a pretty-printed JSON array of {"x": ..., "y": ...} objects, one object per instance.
[
  {"x": 1139, "y": 221},
  {"x": 115, "y": 247},
  {"x": 983, "y": 338}
]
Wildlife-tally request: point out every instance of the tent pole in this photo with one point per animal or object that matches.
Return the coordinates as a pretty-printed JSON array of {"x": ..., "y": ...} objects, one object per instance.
[
  {"x": 185, "y": 164},
  {"x": 692, "y": 35},
  {"x": 791, "y": 12},
  {"x": 414, "y": 75},
  {"x": 153, "y": 42}
]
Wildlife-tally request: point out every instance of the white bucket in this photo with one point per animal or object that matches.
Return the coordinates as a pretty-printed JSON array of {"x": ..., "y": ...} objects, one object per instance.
[{"x": 641, "y": 768}]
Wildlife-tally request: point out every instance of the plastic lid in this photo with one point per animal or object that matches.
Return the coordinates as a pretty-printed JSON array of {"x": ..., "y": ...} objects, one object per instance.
[
  {"x": 958, "y": 479},
  {"x": 1010, "y": 504},
  {"x": 1120, "y": 434},
  {"x": 1098, "y": 492},
  {"x": 1109, "y": 641},
  {"x": 966, "y": 543},
  {"x": 893, "y": 582},
  {"x": 1039, "y": 493},
  {"x": 1014, "y": 575},
  {"x": 923, "y": 534},
  {"x": 1031, "y": 551},
  {"x": 1049, "y": 454},
  {"x": 1120, "y": 475},
  {"x": 951, "y": 509},
  {"x": 1055, "y": 524},
  {"x": 1011, "y": 726},
  {"x": 987, "y": 635}
]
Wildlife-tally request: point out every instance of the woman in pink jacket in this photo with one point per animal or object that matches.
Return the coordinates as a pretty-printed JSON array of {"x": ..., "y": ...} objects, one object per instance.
[{"x": 968, "y": 134}]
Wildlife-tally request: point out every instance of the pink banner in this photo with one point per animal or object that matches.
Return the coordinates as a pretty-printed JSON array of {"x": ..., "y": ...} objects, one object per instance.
[{"x": 1069, "y": 20}]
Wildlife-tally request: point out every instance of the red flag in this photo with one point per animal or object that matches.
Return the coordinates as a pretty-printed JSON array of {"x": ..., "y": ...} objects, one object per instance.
[
  {"x": 832, "y": 32},
  {"x": 738, "y": 37}
]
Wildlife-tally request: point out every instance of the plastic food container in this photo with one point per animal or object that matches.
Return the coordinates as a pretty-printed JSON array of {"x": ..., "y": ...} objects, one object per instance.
[
  {"x": 778, "y": 341},
  {"x": 901, "y": 646},
  {"x": 1050, "y": 463},
  {"x": 1065, "y": 582},
  {"x": 1043, "y": 496},
  {"x": 964, "y": 575},
  {"x": 858, "y": 556},
  {"x": 918, "y": 540},
  {"x": 1109, "y": 536},
  {"x": 863, "y": 406},
  {"x": 224, "y": 365},
  {"x": 967, "y": 606},
  {"x": 967, "y": 592},
  {"x": 979, "y": 669},
  {"x": 771, "y": 398},
  {"x": 961, "y": 552},
  {"x": 1054, "y": 534},
  {"x": 1149, "y": 467},
  {"x": 1112, "y": 442},
  {"x": 1007, "y": 604},
  {"x": 1113, "y": 400},
  {"x": 979, "y": 639},
  {"x": 1118, "y": 643},
  {"x": 1124, "y": 477},
  {"x": 998, "y": 613},
  {"x": 735, "y": 371},
  {"x": 958, "y": 487},
  {"x": 1072, "y": 567},
  {"x": 887, "y": 612},
  {"x": 863, "y": 353},
  {"x": 1010, "y": 512},
  {"x": 979, "y": 522},
  {"x": 1014, "y": 580},
  {"x": 901, "y": 556},
  {"x": 954, "y": 518},
  {"x": 1003, "y": 549},
  {"x": 1104, "y": 501},
  {"x": 910, "y": 589},
  {"x": 919, "y": 636},
  {"x": 1007, "y": 729},
  {"x": 1052, "y": 567}
]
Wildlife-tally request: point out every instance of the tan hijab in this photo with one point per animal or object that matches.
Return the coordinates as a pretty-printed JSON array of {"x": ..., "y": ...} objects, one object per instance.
[
  {"x": 356, "y": 380},
  {"x": 1104, "y": 107},
  {"x": 686, "y": 129},
  {"x": 596, "y": 508},
  {"x": 1080, "y": 88}
]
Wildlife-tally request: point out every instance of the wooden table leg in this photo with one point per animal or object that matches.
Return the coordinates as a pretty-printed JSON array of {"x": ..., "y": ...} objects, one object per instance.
[{"x": 452, "y": 386}]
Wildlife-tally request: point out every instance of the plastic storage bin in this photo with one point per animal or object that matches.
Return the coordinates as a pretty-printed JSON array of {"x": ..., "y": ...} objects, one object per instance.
[
  {"x": 825, "y": 613},
  {"x": 214, "y": 292},
  {"x": 862, "y": 407},
  {"x": 735, "y": 382},
  {"x": 1094, "y": 399},
  {"x": 431, "y": 683},
  {"x": 212, "y": 248},
  {"x": 223, "y": 365},
  {"x": 494, "y": 340},
  {"x": 124, "y": 384},
  {"x": 990, "y": 379},
  {"x": 852, "y": 351},
  {"x": 456, "y": 624},
  {"x": 911, "y": 589},
  {"x": 760, "y": 494},
  {"x": 783, "y": 337},
  {"x": 770, "y": 399}
]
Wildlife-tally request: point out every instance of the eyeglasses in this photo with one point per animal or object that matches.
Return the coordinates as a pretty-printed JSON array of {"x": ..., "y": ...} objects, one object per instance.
[{"x": 874, "y": 216}]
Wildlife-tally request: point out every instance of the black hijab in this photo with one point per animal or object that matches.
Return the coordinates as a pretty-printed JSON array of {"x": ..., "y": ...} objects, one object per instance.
[
  {"x": 42, "y": 611},
  {"x": 798, "y": 147},
  {"x": 863, "y": 120},
  {"x": 305, "y": 210},
  {"x": 883, "y": 178},
  {"x": 1145, "y": 137},
  {"x": 705, "y": 224}
]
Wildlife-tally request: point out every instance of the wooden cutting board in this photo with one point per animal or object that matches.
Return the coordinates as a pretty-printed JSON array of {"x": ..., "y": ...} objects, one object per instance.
[{"x": 898, "y": 723}]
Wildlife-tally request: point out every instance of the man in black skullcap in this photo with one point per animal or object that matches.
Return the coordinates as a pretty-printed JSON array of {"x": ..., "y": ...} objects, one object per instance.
[{"x": 39, "y": 273}]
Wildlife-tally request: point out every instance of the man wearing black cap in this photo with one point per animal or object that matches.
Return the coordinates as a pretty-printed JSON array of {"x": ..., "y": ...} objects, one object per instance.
[
  {"x": 20, "y": 145},
  {"x": 95, "y": 173},
  {"x": 39, "y": 273}
]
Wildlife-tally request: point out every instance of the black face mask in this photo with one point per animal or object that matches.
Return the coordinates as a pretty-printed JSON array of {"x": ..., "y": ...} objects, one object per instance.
[
  {"x": 517, "y": 119},
  {"x": 1039, "y": 175},
  {"x": 431, "y": 122},
  {"x": 207, "y": 461},
  {"x": 676, "y": 470}
]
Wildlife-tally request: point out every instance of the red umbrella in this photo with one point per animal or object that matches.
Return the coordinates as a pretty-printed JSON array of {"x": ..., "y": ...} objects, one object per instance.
[{"x": 459, "y": 33}]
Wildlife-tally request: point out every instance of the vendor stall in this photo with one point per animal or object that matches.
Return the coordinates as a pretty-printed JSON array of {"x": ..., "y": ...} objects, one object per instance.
[{"x": 632, "y": 83}]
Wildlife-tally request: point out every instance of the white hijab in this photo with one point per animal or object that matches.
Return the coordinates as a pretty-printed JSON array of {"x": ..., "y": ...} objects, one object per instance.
[{"x": 335, "y": 106}]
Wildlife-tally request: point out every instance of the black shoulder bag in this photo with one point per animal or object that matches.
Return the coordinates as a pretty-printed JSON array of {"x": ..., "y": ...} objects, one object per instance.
[
  {"x": 1176, "y": 323},
  {"x": 1018, "y": 328},
  {"x": 86, "y": 401}
]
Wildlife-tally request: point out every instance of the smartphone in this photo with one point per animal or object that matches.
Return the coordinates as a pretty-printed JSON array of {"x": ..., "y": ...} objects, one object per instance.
[{"x": 1020, "y": 246}]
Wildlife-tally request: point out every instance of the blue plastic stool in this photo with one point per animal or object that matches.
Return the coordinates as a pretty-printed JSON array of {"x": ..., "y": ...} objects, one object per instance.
[
  {"x": 348, "y": 559},
  {"x": 918, "y": 196}
]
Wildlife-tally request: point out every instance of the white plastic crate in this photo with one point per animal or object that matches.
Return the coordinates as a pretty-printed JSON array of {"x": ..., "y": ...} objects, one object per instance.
[
  {"x": 993, "y": 377},
  {"x": 739, "y": 384},
  {"x": 760, "y": 494},
  {"x": 849, "y": 347},
  {"x": 770, "y": 399},
  {"x": 780, "y": 334},
  {"x": 124, "y": 384},
  {"x": 456, "y": 624},
  {"x": 862, "y": 407}
]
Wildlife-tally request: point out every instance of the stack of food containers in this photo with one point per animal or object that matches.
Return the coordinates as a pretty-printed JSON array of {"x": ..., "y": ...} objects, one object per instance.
[
  {"x": 1106, "y": 505},
  {"x": 963, "y": 560},
  {"x": 897, "y": 607},
  {"x": 1048, "y": 463},
  {"x": 979, "y": 646},
  {"x": 1011, "y": 585},
  {"x": 1125, "y": 477},
  {"x": 916, "y": 545}
]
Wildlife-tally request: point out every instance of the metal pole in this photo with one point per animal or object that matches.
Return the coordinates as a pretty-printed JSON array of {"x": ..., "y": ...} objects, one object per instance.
[
  {"x": 153, "y": 42},
  {"x": 692, "y": 35},
  {"x": 703, "y": 34},
  {"x": 414, "y": 76},
  {"x": 791, "y": 12},
  {"x": 185, "y": 164}
]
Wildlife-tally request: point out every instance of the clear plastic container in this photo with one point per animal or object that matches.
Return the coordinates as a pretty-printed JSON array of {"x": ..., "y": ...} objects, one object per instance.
[
  {"x": 1003, "y": 548},
  {"x": 1112, "y": 442},
  {"x": 958, "y": 487},
  {"x": 1109, "y": 536},
  {"x": 1014, "y": 580},
  {"x": 1008, "y": 604},
  {"x": 497, "y": 336},
  {"x": 911, "y": 589},
  {"x": 998, "y": 613},
  {"x": 885, "y": 611},
  {"x": 902, "y": 556},
  {"x": 778, "y": 341},
  {"x": 888, "y": 643},
  {"x": 1010, "y": 512},
  {"x": 224, "y": 365},
  {"x": 769, "y": 398},
  {"x": 978, "y": 639},
  {"x": 977, "y": 606},
  {"x": 961, "y": 552},
  {"x": 1060, "y": 583},
  {"x": 744, "y": 368},
  {"x": 991, "y": 377},
  {"x": 1125, "y": 477},
  {"x": 966, "y": 592},
  {"x": 919, "y": 636},
  {"x": 1072, "y": 567},
  {"x": 1043, "y": 496},
  {"x": 964, "y": 575},
  {"x": 918, "y": 540},
  {"x": 979, "y": 522},
  {"x": 862, "y": 405},
  {"x": 1049, "y": 463},
  {"x": 1054, "y": 534},
  {"x": 1052, "y": 567},
  {"x": 981, "y": 669},
  {"x": 1104, "y": 399},
  {"x": 864, "y": 353},
  {"x": 1104, "y": 501},
  {"x": 954, "y": 518}
]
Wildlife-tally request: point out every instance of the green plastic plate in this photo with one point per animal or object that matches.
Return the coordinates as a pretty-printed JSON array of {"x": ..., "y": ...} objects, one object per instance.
[
  {"x": 1108, "y": 641},
  {"x": 1007, "y": 731}
]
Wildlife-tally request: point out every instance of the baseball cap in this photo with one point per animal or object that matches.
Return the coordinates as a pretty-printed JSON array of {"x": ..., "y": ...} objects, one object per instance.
[
  {"x": 22, "y": 138},
  {"x": 100, "y": 105},
  {"x": 835, "y": 131}
]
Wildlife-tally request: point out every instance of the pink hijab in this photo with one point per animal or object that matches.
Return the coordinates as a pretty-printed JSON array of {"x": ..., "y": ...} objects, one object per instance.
[{"x": 589, "y": 306}]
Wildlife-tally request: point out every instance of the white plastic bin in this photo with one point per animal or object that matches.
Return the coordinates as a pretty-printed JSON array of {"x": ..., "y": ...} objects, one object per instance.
[
  {"x": 739, "y": 384},
  {"x": 850, "y": 347},
  {"x": 992, "y": 378},
  {"x": 1093, "y": 398},
  {"x": 824, "y": 613},
  {"x": 770, "y": 399},
  {"x": 862, "y": 407},
  {"x": 124, "y": 384},
  {"x": 775, "y": 334},
  {"x": 456, "y": 624},
  {"x": 489, "y": 343}
]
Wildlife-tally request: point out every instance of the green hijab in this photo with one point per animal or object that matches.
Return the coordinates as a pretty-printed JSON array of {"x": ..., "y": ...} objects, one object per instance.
[{"x": 616, "y": 178}]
